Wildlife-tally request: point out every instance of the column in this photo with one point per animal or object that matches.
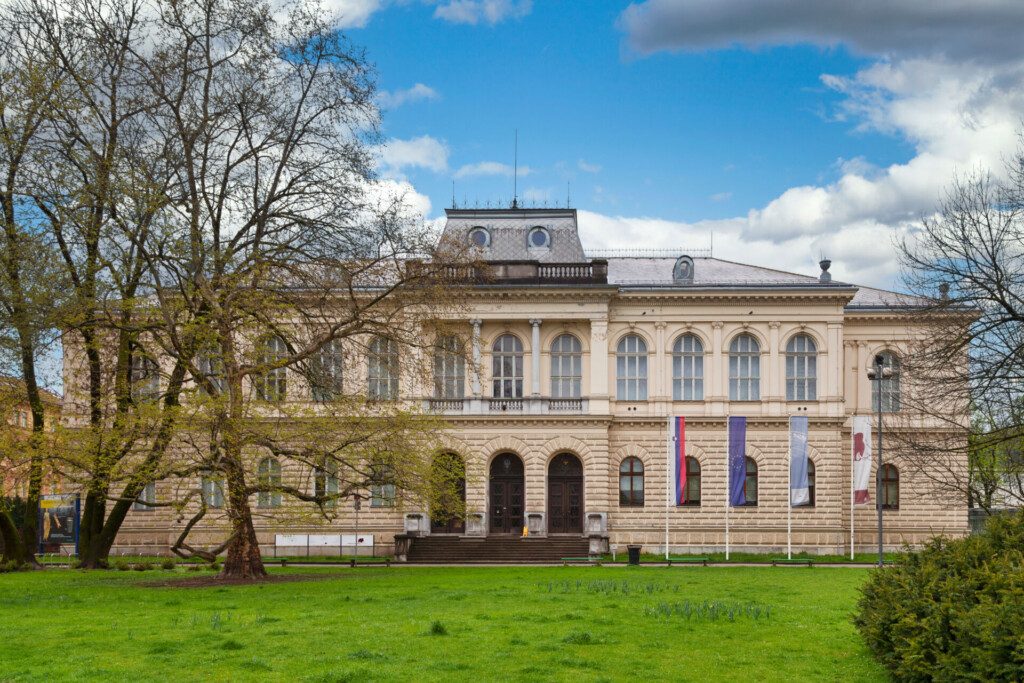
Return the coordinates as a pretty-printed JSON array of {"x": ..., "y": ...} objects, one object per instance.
[
  {"x": 861, "y": 379},
  {"x": 599, "y": 366},
  {"x": 476, "y": 405},
  {"x": 535, "y": 358},
  {"x": 716, "y": 382},
  {"x": 659, "y": 375},
  {"x": 834, "y": 363},
  {"x": 776, "y": 382}
]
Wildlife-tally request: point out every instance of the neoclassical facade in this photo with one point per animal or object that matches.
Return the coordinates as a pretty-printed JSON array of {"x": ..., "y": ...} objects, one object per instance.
[{"x": 559, "y": 406}]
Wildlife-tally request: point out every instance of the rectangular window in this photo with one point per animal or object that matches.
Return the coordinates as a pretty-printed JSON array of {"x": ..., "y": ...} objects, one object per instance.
[
  {"x": 382, "y": 496},
  {"x": 148, "y": 495}
]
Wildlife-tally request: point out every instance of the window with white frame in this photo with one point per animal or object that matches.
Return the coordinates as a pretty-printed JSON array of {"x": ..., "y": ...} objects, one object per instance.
[
  {"x": 449, "y": 368},
  {"x": 382, "y": 384},
  {"x": 801, "y": 369},
  {"x": 271, "y": 384},
  {"x": 145, "y": 377},
  {"x": 507, "y": 367},
  {"x": 566, "y": 367},
  {"x": 688, "y": 369},
  {"x": 325, "y": 484},
  {"x": 268, "y": 474},
  {"x": 213, "y": 491},
  {"x": 211, "y": 370},
  {"x": 744, "y": 369},
  {"x": 324, "y": 372},
  {"x": 144, "y": 503},
  {"x": 631, "y": 369},
  {"x": 890, "y": 387}
]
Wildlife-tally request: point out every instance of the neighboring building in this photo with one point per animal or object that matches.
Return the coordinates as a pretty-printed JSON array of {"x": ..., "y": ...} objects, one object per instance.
[
  {"x": 18, "y": 422},
  {"x": 584, "y": 356}
]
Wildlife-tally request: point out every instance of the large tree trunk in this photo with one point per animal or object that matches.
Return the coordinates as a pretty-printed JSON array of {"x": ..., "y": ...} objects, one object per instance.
[
  {"x": 243, "y": 552},
  {"x": 14, "y": 550}
]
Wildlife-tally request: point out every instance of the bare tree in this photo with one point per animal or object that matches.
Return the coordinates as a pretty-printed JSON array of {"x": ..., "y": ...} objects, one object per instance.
[
  {"x": 966, "y": 268},
  {"x": 272, "y": 251}
]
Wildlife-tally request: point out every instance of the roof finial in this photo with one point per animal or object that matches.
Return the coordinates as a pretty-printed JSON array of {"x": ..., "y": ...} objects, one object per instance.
[{"x": 825, "y": 276}]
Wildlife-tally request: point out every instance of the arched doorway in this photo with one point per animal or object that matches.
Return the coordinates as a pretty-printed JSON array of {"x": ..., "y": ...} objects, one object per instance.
[
  {"x": 506, "y": 494},
  {"x": 448, "y": 498},
  {"x": 565, "y": 495}
]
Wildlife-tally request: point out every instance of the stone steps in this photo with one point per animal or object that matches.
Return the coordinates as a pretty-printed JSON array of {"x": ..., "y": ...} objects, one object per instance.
[{"x": 456, "y": 549}]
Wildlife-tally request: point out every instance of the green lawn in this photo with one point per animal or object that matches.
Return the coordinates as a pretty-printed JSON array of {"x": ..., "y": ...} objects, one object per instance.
[{"x": 472, "y": 624}]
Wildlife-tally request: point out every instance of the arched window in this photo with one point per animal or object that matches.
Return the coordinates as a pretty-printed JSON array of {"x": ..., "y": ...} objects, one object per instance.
[
  {"x": 890, "y": 388},
  {"x": 687, "y": 369},
  {"x": 566, "y": 367},
  {"x": 810, "y": 483},
  {"x": 480, "y": 237},
  {"x": 325, "y": 483},
  {"x": 538, "y": 238},
  {"x": 268, "y": 473},
  {"x": 631, "y": 483},
  {"x": 382, "y": 382},
  {"x": 801, "y": 369},
  {"x": 449, "y": 368},
  {"x": 744, "y": 369},
  {"x": 145, "y": 377},
  {"x": 750, "y": 485},
  {"x": 325, "y": 372},
  {"x": 631, "y": 369},
  {"x": 692, "y": 492},
  {"x": 271, "y": 384},
  {"x": 507, "y": 367},
  {"x": 213, "y": 491},
  {"x": 890, "y": 487}
]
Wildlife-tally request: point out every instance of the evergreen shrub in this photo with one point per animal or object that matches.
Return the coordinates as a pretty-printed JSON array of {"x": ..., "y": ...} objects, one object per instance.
[{"x": 953, "y": 610}]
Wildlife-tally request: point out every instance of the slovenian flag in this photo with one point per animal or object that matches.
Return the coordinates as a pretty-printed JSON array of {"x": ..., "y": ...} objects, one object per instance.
[
  {"x": 677, "y": 458},
  {"x": 799, "y": 484},
  {"x": 737, "y": 461}
]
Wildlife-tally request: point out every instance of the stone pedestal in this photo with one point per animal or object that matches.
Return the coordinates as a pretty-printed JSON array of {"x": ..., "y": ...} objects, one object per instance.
[
  {"x": 476, "y": 524},
  {"x": 596, "y": 523},
  {"x": 536, "y": 523},
  {"x": 417, "y": 524}
]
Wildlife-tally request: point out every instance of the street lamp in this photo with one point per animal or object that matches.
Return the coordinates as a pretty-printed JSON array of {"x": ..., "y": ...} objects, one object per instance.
[{"x": 877, "y": 373}]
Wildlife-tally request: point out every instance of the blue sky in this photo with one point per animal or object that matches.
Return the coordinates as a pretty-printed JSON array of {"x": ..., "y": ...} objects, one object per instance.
[{"x": 790, "y": 130}]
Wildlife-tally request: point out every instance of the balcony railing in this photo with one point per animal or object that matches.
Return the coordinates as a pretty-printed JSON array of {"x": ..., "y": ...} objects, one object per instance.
[
  {"x": 507, "y": 406},
  {"x": 530, "y": 272}
]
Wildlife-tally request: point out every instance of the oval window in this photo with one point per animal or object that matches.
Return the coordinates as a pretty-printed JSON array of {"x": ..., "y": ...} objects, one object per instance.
[
  {"x": 479, "y": 237},
  {"x": 539, "y": 238}
]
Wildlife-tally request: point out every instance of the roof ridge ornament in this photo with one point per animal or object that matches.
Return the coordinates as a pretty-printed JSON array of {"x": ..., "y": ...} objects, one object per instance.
[
  {"x": 682, "y": 271},
  {"x": 825, "y": 277}
]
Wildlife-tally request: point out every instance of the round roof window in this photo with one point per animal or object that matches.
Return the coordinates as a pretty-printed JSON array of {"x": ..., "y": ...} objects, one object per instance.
[
  {"x": 479, "y": 237},
  {"x": 539, "y": 238}
]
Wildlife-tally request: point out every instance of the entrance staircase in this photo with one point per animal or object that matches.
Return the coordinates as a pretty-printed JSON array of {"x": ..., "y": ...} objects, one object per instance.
[{"x": 495, "y": 549}]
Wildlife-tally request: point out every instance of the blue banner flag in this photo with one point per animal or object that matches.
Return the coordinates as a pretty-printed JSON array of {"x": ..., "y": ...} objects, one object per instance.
[
  {"x": 737, "y": 461},
  {"x": 799, "y": 484}
]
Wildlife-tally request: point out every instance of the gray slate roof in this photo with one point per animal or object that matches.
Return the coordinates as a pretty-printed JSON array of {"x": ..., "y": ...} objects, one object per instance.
[{"x": 509, "y": 229}]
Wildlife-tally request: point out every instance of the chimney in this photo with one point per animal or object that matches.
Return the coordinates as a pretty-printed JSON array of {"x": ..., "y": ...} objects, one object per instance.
[
  {"x": 944, "y": 291},
  {"x": 825, "y": 276}
]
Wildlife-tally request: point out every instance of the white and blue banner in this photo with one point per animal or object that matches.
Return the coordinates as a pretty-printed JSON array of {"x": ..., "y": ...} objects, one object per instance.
[{"x": 799, "y": 485}]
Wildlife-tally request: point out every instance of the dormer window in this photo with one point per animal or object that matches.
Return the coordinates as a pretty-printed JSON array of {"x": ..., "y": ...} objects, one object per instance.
[
  {"x": 479, "y": 237},
  {"x": 539, "y": 238}
]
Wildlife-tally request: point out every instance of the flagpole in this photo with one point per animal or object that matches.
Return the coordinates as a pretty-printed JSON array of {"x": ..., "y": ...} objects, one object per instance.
[
  {"x": 853, "y": 485},
  {"x": 728, "y": 483},
  {"x": 670, "y": 473},
  {"x": 789, "y": 494}
]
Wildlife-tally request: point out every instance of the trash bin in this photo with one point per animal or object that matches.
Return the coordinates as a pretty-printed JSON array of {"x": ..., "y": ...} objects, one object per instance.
[{"x": 634, "y": 553}]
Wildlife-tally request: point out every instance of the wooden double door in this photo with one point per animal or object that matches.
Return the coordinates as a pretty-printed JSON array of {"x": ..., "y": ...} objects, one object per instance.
[
  {"x": 506, "y": 495},
  {"x": 565, "y": 495}
]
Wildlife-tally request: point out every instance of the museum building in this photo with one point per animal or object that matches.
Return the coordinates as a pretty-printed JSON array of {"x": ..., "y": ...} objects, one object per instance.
[{"x": 559, "y": 407}]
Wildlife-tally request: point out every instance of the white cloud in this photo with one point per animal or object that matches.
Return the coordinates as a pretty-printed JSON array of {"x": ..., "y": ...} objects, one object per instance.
[
  {"x": 353, "y": 13},
  {"x": 397, "y": 98},
  {"x": 949, "y": 81},
  {"x": 588, "y": 167},
  {"x": 490, "y": 168},
  {"x": 422, "y": 152},
  {"x": 389, "y": 192},
  {"x": 482, "y": 11}
]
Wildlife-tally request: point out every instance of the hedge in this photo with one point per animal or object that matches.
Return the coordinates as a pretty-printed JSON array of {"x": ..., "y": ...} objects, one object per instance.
[{"x": 953, "y": 610}]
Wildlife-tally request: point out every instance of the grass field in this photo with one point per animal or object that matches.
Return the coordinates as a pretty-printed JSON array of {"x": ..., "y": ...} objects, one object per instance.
[{"x": 472, "y": 624}]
